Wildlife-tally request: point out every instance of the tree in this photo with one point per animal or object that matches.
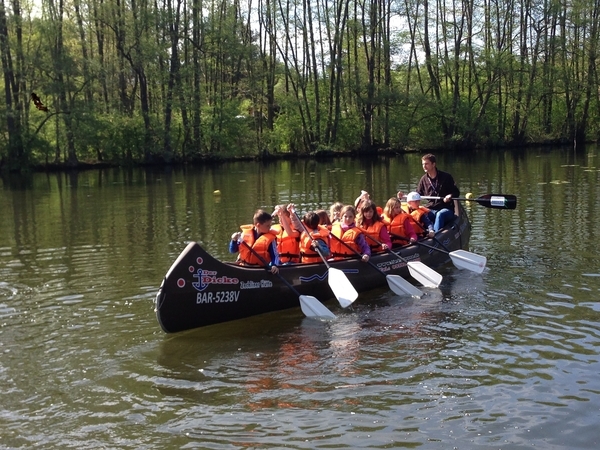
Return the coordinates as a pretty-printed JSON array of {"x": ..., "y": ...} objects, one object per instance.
[{"x": 16, "y": 157}]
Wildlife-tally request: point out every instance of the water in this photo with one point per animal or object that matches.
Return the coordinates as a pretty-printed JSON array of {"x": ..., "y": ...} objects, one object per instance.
[{"x": 506, "y": 359}]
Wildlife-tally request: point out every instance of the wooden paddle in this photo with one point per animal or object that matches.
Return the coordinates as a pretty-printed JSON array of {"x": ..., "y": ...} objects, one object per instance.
[
  {"x": 310, "y": 305},
  {"x": 396, "y": 283},
  {"x": 462, "y": 259},
  {"x": 497, "y": 201},
  {"x": 337, "y": 280},
  {"x": 418, "y": 270}
]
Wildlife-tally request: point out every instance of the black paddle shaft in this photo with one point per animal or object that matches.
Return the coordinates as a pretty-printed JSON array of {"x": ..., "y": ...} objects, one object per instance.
[
  {"x": 389, "y": 249},
  {"x": 359, "y": 255},
  {"x": 266, "y": 267},
  {"x": 316, "y": 246},
  {"x": 422, "y": 243},
  {"x": 495, "y": 201}
]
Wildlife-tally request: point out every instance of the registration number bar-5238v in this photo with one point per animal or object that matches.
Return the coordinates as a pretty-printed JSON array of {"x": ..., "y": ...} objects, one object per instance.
[{"x": 217, "y": 297}]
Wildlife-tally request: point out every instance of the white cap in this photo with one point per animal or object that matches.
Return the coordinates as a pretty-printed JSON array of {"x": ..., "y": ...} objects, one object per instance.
[{"x": 413, "y": 197}]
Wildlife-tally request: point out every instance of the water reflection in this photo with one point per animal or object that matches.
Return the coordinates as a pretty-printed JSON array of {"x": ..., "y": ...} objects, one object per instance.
[
  {"x": 506, "y": 359},
  {"x": 379, "y": 343}
]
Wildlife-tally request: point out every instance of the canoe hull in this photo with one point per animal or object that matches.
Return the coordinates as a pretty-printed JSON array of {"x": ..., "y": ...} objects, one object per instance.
[{"x": 199, "y": 290}]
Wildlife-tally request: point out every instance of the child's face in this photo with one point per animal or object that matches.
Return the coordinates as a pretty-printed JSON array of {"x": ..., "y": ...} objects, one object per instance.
[
  {"x": 264, "y": 227},
  {"x": 414, "y": 204},
  {"x": 368, "y": 213},
  {"x": 348, "y": 218},
  {"x": 397, "y": 209}
]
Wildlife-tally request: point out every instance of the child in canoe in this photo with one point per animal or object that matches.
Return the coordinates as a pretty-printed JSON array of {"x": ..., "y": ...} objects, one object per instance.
[
  {"x": 420, "y": 215},
  {"x": 288, "y": 238},
  {"x": 324, "y": 218},
  {"x": 348, "y": 238},
  {"x": 371, "y": 224},
  {"x": 257, "y": 243},
  {"x": 314, "y": 239},
  {"x": 398, "y": 222},
  {"x": 334, "y": 212}
]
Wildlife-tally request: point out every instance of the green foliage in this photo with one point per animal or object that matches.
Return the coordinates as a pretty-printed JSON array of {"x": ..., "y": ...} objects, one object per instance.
[
  {"x": 483, "y": 93},
  {"x": 287, "y": 133},
  {"x": 39, "y": 149},
  {"x": 349, "y": 132},
  {"x": 227, "y": 132},
  {"x": 122, "y": 138}
]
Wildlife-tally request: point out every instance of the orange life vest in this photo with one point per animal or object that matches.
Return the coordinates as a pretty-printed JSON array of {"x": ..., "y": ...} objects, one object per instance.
[
  {"x": 339, "y": 250},
  {"x": 307, "y": 253},
  {"x": 396, "y": 227},
  {"x": 374, "y": 231},
  {"x": 287, "y": 245},
  {"x": 260, "y": 246},
  {"x": 415, "y": 217}
]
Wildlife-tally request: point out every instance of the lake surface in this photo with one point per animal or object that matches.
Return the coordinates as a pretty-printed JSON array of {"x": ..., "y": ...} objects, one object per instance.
[{"x": 506, "y": 359}]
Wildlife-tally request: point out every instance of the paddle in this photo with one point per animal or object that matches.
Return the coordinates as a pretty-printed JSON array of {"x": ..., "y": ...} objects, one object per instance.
[
  {"x": 497, "y": 201},
  {"x": 396, "y": 283},
  {"x": 337, "y": 280},
  {"x": 460, "y": 258},
  {"x": 419, "y": 271},
  {"x": 310, "y": 305}
]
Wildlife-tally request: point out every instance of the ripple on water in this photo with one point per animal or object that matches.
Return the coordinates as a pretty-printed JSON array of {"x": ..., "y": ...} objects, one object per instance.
[
  {"x": 8, "y": 291},
  {"x": 594, "y": 306},
  {"x": 70, "y": 299},
  {"x": 559, "y": 295}
]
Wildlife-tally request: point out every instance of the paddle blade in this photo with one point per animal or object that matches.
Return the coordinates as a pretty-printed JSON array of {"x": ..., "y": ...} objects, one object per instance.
[
  {"x": 312, "y": 307},
  {"x": 497, "y": 201},
  {"x": 341, "y": 287},
  {"x": 424, "y": 274},
  {"x": 401, "y": 287},
  {"x": 469, "y": 261}
]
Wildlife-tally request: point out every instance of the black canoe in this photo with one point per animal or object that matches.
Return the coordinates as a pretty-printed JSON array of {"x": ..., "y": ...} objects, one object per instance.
[{"x": 199, "y": 290}]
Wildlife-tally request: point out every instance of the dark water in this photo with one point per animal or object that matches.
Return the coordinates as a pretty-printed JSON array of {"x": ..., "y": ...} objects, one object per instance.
[{"x": 506, "y": 359}]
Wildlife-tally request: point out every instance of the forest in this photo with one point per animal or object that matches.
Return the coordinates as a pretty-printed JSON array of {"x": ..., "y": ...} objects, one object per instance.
[{"x": 175, "y": 81}]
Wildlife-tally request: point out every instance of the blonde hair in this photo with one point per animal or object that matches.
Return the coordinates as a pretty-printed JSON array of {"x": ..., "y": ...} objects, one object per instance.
[
  {"x": 388, "y": 211},
  {"x": 334, "y": 211},
  {"x": 347, "y": 208},
  {"x": 283, "y": 209}
]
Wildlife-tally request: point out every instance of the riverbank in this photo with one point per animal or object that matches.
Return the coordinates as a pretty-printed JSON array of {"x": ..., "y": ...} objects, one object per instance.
[{"x": 318, "y": 155}]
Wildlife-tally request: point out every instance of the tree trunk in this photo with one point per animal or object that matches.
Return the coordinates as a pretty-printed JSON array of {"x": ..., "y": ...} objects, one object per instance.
[
  {"x": 174, "y": 16},
  {"x": 16, "y": 155},
  {"x": 58, "y": 59}
]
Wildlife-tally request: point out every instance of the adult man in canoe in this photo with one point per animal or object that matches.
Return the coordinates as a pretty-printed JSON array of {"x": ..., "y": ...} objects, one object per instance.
[{"x": 436, "y": 183}]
